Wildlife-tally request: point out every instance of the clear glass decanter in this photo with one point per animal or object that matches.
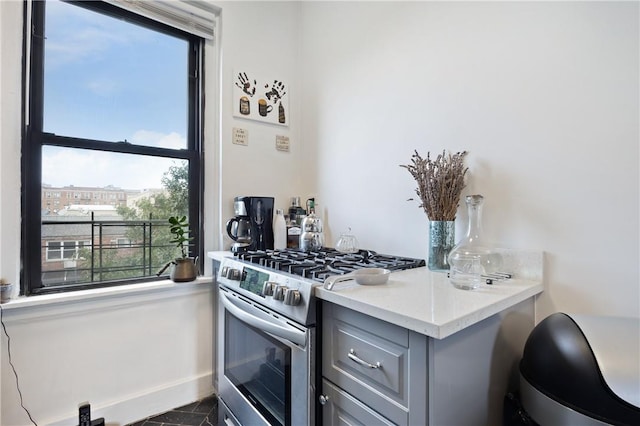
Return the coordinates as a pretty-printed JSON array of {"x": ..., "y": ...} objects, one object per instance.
[{"x": 472, "y": 259}]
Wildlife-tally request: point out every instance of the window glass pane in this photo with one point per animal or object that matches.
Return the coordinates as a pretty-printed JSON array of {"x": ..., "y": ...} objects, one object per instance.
[
  {"x": 111, "y": 80},
  {"x": 53, "y": 250},
  {"x": 112, "y": 215},
  {"x": 69, "y": 249}
]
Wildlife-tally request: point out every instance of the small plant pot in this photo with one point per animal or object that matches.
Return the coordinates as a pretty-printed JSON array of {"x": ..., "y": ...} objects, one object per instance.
[
  {"x": 184, "y": 270},
  {"x": 6, "y": 292}
]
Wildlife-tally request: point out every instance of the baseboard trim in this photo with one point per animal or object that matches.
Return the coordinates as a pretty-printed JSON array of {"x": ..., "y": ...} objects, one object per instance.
[{"x": 134, "y": 407}]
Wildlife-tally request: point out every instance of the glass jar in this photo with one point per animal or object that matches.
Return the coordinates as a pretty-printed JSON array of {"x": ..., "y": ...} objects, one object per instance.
[
  {"x": 472, "y": 259},
  {"x": 347, "y": 243}
]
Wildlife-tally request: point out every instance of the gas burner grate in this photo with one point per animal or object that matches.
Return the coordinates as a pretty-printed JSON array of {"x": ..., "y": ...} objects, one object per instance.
[{"x": 320, "y": 264}]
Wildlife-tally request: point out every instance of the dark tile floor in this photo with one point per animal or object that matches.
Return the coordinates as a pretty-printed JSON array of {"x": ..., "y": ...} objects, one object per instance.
[{"x": 199, "y": 413}]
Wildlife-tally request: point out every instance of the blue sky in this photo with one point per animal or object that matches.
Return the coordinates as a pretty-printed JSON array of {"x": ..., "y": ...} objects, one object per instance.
[{"x": 110, "y": 80}]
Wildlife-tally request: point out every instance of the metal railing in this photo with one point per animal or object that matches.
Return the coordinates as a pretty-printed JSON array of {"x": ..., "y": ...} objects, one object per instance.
[{"x": 118, "y": 249}]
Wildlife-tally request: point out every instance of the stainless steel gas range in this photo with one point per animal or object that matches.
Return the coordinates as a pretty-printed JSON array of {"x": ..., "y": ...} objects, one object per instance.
[{"x": 267, "y": 330}]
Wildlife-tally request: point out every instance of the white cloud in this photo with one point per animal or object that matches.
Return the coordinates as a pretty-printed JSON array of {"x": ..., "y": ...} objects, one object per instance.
[
  {"x": 78, "y": 167},
  {"x": 172, "y": 140},
  {"x": 77, "y": 34},
  {"x": 81, "y": 45},
  {"x": 102, "y": 86}
]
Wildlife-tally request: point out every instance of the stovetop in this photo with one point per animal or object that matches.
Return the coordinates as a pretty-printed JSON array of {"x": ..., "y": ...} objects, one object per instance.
[
  {"x": 283, "y": 281},
  {"x": 318, "y": 265}
]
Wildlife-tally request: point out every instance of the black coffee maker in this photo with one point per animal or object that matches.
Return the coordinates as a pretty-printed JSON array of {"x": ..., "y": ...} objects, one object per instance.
[{"x": 252, "y": 227}]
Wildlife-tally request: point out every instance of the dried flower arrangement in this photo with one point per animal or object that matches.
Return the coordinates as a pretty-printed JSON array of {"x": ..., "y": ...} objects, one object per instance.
[{"x": 440, "y": 183}]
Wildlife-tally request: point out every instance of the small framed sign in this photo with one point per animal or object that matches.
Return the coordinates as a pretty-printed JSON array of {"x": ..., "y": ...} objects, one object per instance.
[{"x": 282, "y": 143}]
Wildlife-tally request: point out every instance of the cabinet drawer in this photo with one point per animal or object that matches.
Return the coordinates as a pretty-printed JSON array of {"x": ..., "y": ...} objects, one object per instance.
[
  {"x": 341, "y": 409},
  {"x": 368, "y": 358}
]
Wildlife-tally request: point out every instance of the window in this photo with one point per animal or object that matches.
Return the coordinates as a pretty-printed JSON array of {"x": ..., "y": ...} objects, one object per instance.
[
  {"x": 54, "y": 251},
  {"x": 122, "y": 242},
  {"x": 64, "y": 250},
  {"x": 113, "y": 130}
]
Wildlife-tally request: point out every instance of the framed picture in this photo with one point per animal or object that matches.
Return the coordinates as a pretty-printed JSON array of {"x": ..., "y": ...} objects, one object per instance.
[{"x": 259, "y": 98}]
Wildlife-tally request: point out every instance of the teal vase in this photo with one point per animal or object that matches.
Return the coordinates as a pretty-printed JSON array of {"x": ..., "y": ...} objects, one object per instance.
[{"x": 441, "y": 242}]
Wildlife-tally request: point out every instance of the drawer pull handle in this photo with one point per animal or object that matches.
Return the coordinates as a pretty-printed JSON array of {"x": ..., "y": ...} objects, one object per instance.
[{"x": 352, "y": 355}]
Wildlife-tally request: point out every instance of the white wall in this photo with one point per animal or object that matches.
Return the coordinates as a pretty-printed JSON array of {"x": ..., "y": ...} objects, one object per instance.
[
  {"x": 543, "y": 95},
  {"x": 129, "y": 355},
  {"x": 143, "y": 352},
  {"x": 10, "y": 35},
  {"x": 10, "y": 116},
  {"x": 262, "y": 37}
]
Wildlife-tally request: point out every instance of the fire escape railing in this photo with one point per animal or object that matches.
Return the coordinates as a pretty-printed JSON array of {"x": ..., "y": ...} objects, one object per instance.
[{"x": 117, "y": 249}]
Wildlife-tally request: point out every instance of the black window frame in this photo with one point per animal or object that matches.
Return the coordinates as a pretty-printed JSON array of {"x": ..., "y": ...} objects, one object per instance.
[{"x": 33, "y": 139}]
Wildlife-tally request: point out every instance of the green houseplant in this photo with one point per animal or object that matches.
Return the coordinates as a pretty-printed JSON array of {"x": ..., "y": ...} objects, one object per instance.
[{"x": 183, "y": 269}]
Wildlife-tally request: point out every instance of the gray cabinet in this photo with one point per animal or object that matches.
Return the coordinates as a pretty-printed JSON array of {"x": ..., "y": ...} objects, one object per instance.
[
  {"x": 378, "y": 373},
  {"x": 342, "y": 408},
  {"x": 373, "y": 371}
]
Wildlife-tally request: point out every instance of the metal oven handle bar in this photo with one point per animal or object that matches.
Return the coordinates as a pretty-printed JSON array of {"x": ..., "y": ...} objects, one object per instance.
[{"x": 286, "y": 332}]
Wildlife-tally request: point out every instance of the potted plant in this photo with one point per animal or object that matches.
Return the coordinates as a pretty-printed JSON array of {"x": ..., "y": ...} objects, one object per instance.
[
  {"x": 183, "y": 269},
  {"x": 6, "y": 290}
]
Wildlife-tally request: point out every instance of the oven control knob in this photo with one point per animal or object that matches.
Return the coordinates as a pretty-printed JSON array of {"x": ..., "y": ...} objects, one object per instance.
[
  {"x": 291, "y": 297},
  {"x": 279, "y": 291},
  {"x": 268, "y": 287},
  {"x": 224, "y": 271},
  {"x": 234, "y": 274}
]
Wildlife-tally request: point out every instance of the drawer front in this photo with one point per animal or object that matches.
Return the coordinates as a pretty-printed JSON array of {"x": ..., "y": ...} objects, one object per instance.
[
  {"x": 342, "y": 409},
  {"x": 369, "y": 359},
  {"x": 372, "y": 361}
]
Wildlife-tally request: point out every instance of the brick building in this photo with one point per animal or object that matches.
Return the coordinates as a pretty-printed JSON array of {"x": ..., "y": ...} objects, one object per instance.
[{"x": 55, "y": 198}]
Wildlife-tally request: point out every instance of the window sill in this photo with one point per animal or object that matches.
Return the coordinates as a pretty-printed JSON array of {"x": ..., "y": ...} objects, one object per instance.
[{"x": 108, "y": 296}]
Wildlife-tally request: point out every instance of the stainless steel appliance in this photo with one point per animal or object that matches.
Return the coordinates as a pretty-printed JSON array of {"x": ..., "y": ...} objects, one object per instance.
[
  {"x": 267, "y": 330},
  {"x": 252, "y": 226},
  {"x": 312, "y": 236}
]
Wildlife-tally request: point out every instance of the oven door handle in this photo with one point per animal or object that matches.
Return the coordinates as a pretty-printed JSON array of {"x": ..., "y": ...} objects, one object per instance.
[{"x": 286, "y": 332}]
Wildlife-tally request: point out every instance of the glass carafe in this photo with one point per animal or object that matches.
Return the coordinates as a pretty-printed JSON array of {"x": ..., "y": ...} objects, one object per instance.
[{"x": 473, "y": 258}]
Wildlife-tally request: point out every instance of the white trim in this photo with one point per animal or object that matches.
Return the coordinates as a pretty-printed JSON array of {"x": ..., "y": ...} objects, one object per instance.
[
  {"x": 152, "y": 401},
  {"x": 26, "y": 308},
  {"x": 193, "y": 16}
]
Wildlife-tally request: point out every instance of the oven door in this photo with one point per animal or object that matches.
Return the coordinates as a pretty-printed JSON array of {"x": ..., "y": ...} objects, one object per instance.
[{"x": 265, "y": 364}]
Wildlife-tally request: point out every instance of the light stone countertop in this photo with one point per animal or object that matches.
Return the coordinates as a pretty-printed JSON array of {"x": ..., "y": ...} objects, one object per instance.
[{"x": 426, "y": 302}]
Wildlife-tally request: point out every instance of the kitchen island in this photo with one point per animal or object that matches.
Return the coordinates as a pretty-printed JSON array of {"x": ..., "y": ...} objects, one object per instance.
[{"x": 416, "y": 350}]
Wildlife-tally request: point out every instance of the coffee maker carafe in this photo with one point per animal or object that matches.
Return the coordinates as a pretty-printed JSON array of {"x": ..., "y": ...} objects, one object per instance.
[
  {"x": 252, "y": 227},
  {"x": 239, "y": 228}
]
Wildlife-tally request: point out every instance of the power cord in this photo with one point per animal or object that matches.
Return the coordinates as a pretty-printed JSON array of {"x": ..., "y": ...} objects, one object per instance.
[{"x": 4, "y": 328}]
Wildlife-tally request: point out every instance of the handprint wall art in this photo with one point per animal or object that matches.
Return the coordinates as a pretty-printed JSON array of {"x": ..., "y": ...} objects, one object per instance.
[{"x": 260, "y": 99}]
